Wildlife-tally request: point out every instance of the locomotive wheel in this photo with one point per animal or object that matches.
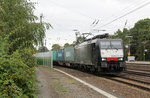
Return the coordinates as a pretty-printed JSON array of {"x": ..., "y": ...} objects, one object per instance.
[
  {"x": 82, "y": 68},
  {"x": 92, "y": 70}
]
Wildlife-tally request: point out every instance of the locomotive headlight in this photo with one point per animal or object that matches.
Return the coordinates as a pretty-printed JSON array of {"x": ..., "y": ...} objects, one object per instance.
[
  {"x": 103, "y": 59},
  {"x": 120, "y": 59}
]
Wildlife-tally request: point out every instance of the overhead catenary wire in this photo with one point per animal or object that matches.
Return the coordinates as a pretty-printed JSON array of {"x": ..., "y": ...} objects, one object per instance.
[
  {"x": 127, "y": 14},
  {"x": 94, "y": 25},
  {"x": 88, "y": 17},
  {"x": 95, "y": 22},
  {"x": 72, "y": 11},
  {"x": 61, "y": 27},
  {"x": 121, "y": 12},
  {"x": 77, "y": 13},
  {"x": 132, "y": 5}
]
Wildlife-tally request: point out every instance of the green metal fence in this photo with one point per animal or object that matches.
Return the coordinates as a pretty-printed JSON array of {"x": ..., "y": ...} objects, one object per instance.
[{"x": 44, "y": 58}]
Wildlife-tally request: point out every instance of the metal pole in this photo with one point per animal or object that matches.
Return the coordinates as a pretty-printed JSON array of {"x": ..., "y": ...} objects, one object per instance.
[
  {"x": 76, "y": 36},
  {"x": 43, "y": 57},
  {"x": 129, "y": 46},
  {"x": 45, "y": 44},
  {"x": 144, "y": 52},
  {"x": 144, "y": 49},
  {"x": 51, "y": 59},
  {"x": 41, "y": 17},
  {"x": 76, "y": 33}
]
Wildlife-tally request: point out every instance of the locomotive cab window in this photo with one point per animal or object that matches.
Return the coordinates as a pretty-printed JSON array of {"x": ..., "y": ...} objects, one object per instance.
[
  {"x": 105, "y": 44},
  {"x": 111, "y": 44},
  {"x": 116, "y": 44}
]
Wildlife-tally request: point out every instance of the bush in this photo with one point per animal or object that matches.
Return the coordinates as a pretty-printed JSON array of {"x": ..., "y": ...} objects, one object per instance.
[
  {"x": 16, "y": 77},
  {"x": 26, "y": 57}
]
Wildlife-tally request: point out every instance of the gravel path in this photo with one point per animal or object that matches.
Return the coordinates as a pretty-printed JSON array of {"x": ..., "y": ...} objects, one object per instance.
[
  {"x": 43, "y": 86},
  {"x": 108, "y": 85},
  {"x": 53, "y": 84}
]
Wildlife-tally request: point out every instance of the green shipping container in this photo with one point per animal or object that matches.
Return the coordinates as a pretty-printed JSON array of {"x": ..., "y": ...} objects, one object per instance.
[
  {"x": 54, "y": 55},
  {"x": 69, "y": 54}
]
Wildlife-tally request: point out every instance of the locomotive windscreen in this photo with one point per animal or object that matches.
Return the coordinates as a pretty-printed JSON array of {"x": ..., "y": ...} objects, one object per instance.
[
  {"x": 111, "y": 48},
  {"x": 111, "y": 44}
]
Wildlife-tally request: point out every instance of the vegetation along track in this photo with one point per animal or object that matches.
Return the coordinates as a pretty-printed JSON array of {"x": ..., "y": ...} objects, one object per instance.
[{"x": 132, "y": 82}]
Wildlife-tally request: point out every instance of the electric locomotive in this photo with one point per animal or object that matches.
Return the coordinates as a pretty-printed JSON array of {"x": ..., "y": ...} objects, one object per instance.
[{"x": 100, "y": 54}]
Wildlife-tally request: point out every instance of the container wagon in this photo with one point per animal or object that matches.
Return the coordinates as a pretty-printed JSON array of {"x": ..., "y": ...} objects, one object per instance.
[
  {"x": 60, "y": 56},
  {"x": 54, "y": 57},
  {"x": 69, "y": 56}
]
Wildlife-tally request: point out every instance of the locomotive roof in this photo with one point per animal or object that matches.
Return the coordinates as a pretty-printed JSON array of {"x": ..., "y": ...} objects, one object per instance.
[{"x": 94, "y": 41}]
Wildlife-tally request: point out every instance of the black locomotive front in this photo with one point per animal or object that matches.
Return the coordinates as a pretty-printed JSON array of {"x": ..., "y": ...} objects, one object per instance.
[{"x": 111, "y": 56}]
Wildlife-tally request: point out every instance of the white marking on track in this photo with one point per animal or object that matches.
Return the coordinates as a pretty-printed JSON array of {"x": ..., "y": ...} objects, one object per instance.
[{"x": 89, "y": 85}]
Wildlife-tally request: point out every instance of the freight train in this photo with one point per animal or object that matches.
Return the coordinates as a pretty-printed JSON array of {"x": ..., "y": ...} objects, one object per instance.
[{"x": 96, "y": 55}]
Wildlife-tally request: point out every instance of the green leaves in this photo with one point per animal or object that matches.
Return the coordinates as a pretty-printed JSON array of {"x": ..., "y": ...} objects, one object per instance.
[
  {"x": 16, "y": 78},
  {"x": 18, "y": 21},
  {"x": 19, "y": 33},
  {"x": 140, "y": 39},
  {"x": 56, "y": 46}
]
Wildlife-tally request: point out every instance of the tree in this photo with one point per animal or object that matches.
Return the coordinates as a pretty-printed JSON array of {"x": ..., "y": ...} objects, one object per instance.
[
  {"x": 121, "y": 34},
  {"x": 56, "y": 46},
  {"x": 66, "y": 45},
  {"x": 19, "y": 25},
  {"x": 80, "y": 39},
  {"x": 20, "y": 33},
  {"x": 141, "y": 39},
  {"x": 43, "y": 49},
  {"x": 139, "y": 43}
]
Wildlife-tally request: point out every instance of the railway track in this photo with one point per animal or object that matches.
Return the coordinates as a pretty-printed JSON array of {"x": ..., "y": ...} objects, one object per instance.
[
  {"x": 141, "y": 64},
  {"x": 142, "y": 85},
  {"x": 132, "y": 82},
  {"x": 138, "y": 67},
  {"x": 140, "y": 73},
  {"x": 138, "y": 83}
]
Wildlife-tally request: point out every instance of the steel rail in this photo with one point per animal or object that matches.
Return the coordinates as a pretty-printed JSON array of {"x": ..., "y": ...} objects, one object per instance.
[
  {"x": 140, "y": 73},
  {"x": 132, "y": 82}
]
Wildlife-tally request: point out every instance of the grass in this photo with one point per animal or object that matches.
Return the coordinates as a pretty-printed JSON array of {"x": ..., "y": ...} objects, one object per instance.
[
  {"x": 59, "y": 87},
  {"x": 71, "y": 81}
]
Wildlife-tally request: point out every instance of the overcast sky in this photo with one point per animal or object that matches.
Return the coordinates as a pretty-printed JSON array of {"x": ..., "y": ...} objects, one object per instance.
[{"x": 67, "y": 15}]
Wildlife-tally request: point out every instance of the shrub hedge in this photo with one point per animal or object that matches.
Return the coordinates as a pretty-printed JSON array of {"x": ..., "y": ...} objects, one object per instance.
[{"x": 17, "y": 79}]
